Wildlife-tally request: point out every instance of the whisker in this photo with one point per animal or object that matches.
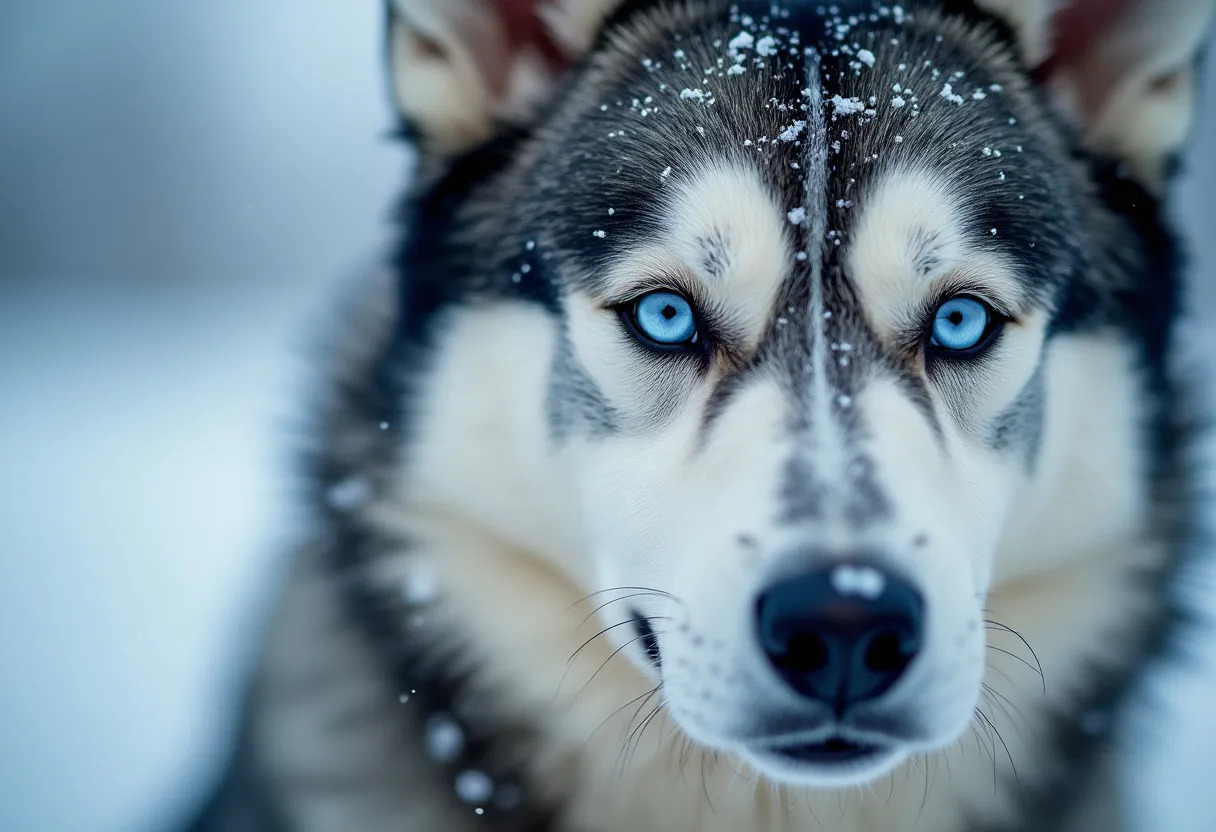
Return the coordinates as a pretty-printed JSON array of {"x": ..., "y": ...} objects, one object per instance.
[
  {"x": 610, "y": 603},
  {"x": 995, "y": 730},
  {"x": 615, "y": 653},
  {"x": 608, "y": 718},
  {"x": 1023, "y": 661},
  {"x": 1006, "y": 628},
  {"x": 613, "y": 627},
  {"x": 643, "y": 589}
]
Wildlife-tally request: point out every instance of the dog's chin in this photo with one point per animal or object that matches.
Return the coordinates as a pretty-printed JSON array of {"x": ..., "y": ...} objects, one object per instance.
[{"x": 834, "y": 763}]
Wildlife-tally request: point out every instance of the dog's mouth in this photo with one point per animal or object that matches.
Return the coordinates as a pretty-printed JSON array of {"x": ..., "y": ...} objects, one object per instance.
[{"x": 834, "y": 752}]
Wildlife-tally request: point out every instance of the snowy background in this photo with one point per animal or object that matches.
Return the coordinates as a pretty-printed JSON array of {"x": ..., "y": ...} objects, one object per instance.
[{"x": 182, "y": 185}]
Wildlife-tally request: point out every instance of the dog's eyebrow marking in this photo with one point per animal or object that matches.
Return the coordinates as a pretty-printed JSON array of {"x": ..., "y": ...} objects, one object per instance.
[
  {"x": 716, "y": 260},
  {"x": 927, "y": 252}
]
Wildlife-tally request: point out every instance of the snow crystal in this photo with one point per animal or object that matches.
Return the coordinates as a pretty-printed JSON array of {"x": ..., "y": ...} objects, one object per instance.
[
  {"x": 666, "y": 172},
  {"x": 421, "y": 585},
  {"x": 474, "y": 786},
  {"x": 859, "y": 581},
  {"x": 898, "y": 102},
  {"x": 866, "y": 57},
  {"x": 599, "y": 233},
  {"x": 689, "y": 94},
  {"x": 743, "y": 40},
  {"x": 792, "y": 132},
  {"x": 846, "y": 106},
  {"x": 530, "y": 245},
  {"x": 350, "y": 494},
  {"x": 443, "y": 738},
  {"x": 899, "y": 139},
  {"x": 797, "y": 216},
  {"x": 845, "y": 401},
  {"x": 948, "y": 94},
  {"x": 736, "y": 69},
  {"x": 766, "y": 46}
]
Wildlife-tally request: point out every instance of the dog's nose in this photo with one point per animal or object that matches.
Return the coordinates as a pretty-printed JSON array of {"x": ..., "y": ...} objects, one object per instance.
[{"x": 841, "y": 635}]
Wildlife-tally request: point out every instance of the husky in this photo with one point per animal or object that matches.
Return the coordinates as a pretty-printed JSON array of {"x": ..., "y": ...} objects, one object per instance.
[{"x": 766, "y": 422}]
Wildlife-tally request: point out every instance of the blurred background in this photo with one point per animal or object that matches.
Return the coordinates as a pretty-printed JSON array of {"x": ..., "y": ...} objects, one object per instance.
[{"x": 183, "y": 187}]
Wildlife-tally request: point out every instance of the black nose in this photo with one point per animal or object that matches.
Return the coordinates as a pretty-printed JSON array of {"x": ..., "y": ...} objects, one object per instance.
[{"x": 841, "y": 635}]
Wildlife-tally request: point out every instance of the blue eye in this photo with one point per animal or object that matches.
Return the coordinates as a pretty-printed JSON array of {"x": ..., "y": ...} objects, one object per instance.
[
  {"x": 961, "y": 324},
  {"x": 665, "y": 318}
]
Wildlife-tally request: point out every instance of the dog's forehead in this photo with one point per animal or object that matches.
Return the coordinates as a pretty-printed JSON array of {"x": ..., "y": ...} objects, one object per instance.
[{"x": 897, "y": 92}]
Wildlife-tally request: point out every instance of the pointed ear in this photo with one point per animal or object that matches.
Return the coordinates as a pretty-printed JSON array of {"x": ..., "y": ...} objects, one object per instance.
[
  {"x": 461, "y": 69},
  {"x": 1124, "y": 69}
]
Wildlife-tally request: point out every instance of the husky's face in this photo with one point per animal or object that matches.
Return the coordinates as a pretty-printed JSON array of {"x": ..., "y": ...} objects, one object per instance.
[
  {"x": 799, "y": 379},
  {"x": 805, "y": 267}
]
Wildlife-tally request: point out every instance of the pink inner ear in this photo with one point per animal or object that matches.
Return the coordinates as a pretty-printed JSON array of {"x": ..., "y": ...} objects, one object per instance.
[
  {"x": 525, "y": 30},
  {"x": 1079, "y": 29}
]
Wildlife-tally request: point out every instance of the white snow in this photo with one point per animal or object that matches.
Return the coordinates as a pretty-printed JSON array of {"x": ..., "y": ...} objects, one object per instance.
[
  {"x": 846, "y": 106},
  {"x": 741, "y": 41},
  {"x": 474, "y": 786},
  {"x": 350, "y": 494},
  {"x": 797, "y": 216},
  {"x": 767, "y": 46},
  {"x": 949, "y": 94},
  {"x": 866, "y": 57},
  {"x": 792, "y": 132},
  {"x": 443, "y": 738},
  {"x": 421, "y": 584}
]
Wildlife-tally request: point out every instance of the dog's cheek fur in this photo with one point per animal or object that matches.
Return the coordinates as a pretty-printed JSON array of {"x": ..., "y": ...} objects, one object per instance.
[{"x": 484, "y": 445}]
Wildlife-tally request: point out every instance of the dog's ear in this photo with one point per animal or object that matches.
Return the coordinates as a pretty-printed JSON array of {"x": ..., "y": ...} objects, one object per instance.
[
  {"x": 461, "y": 69},
  {"x": 1125, "y": 69}
]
